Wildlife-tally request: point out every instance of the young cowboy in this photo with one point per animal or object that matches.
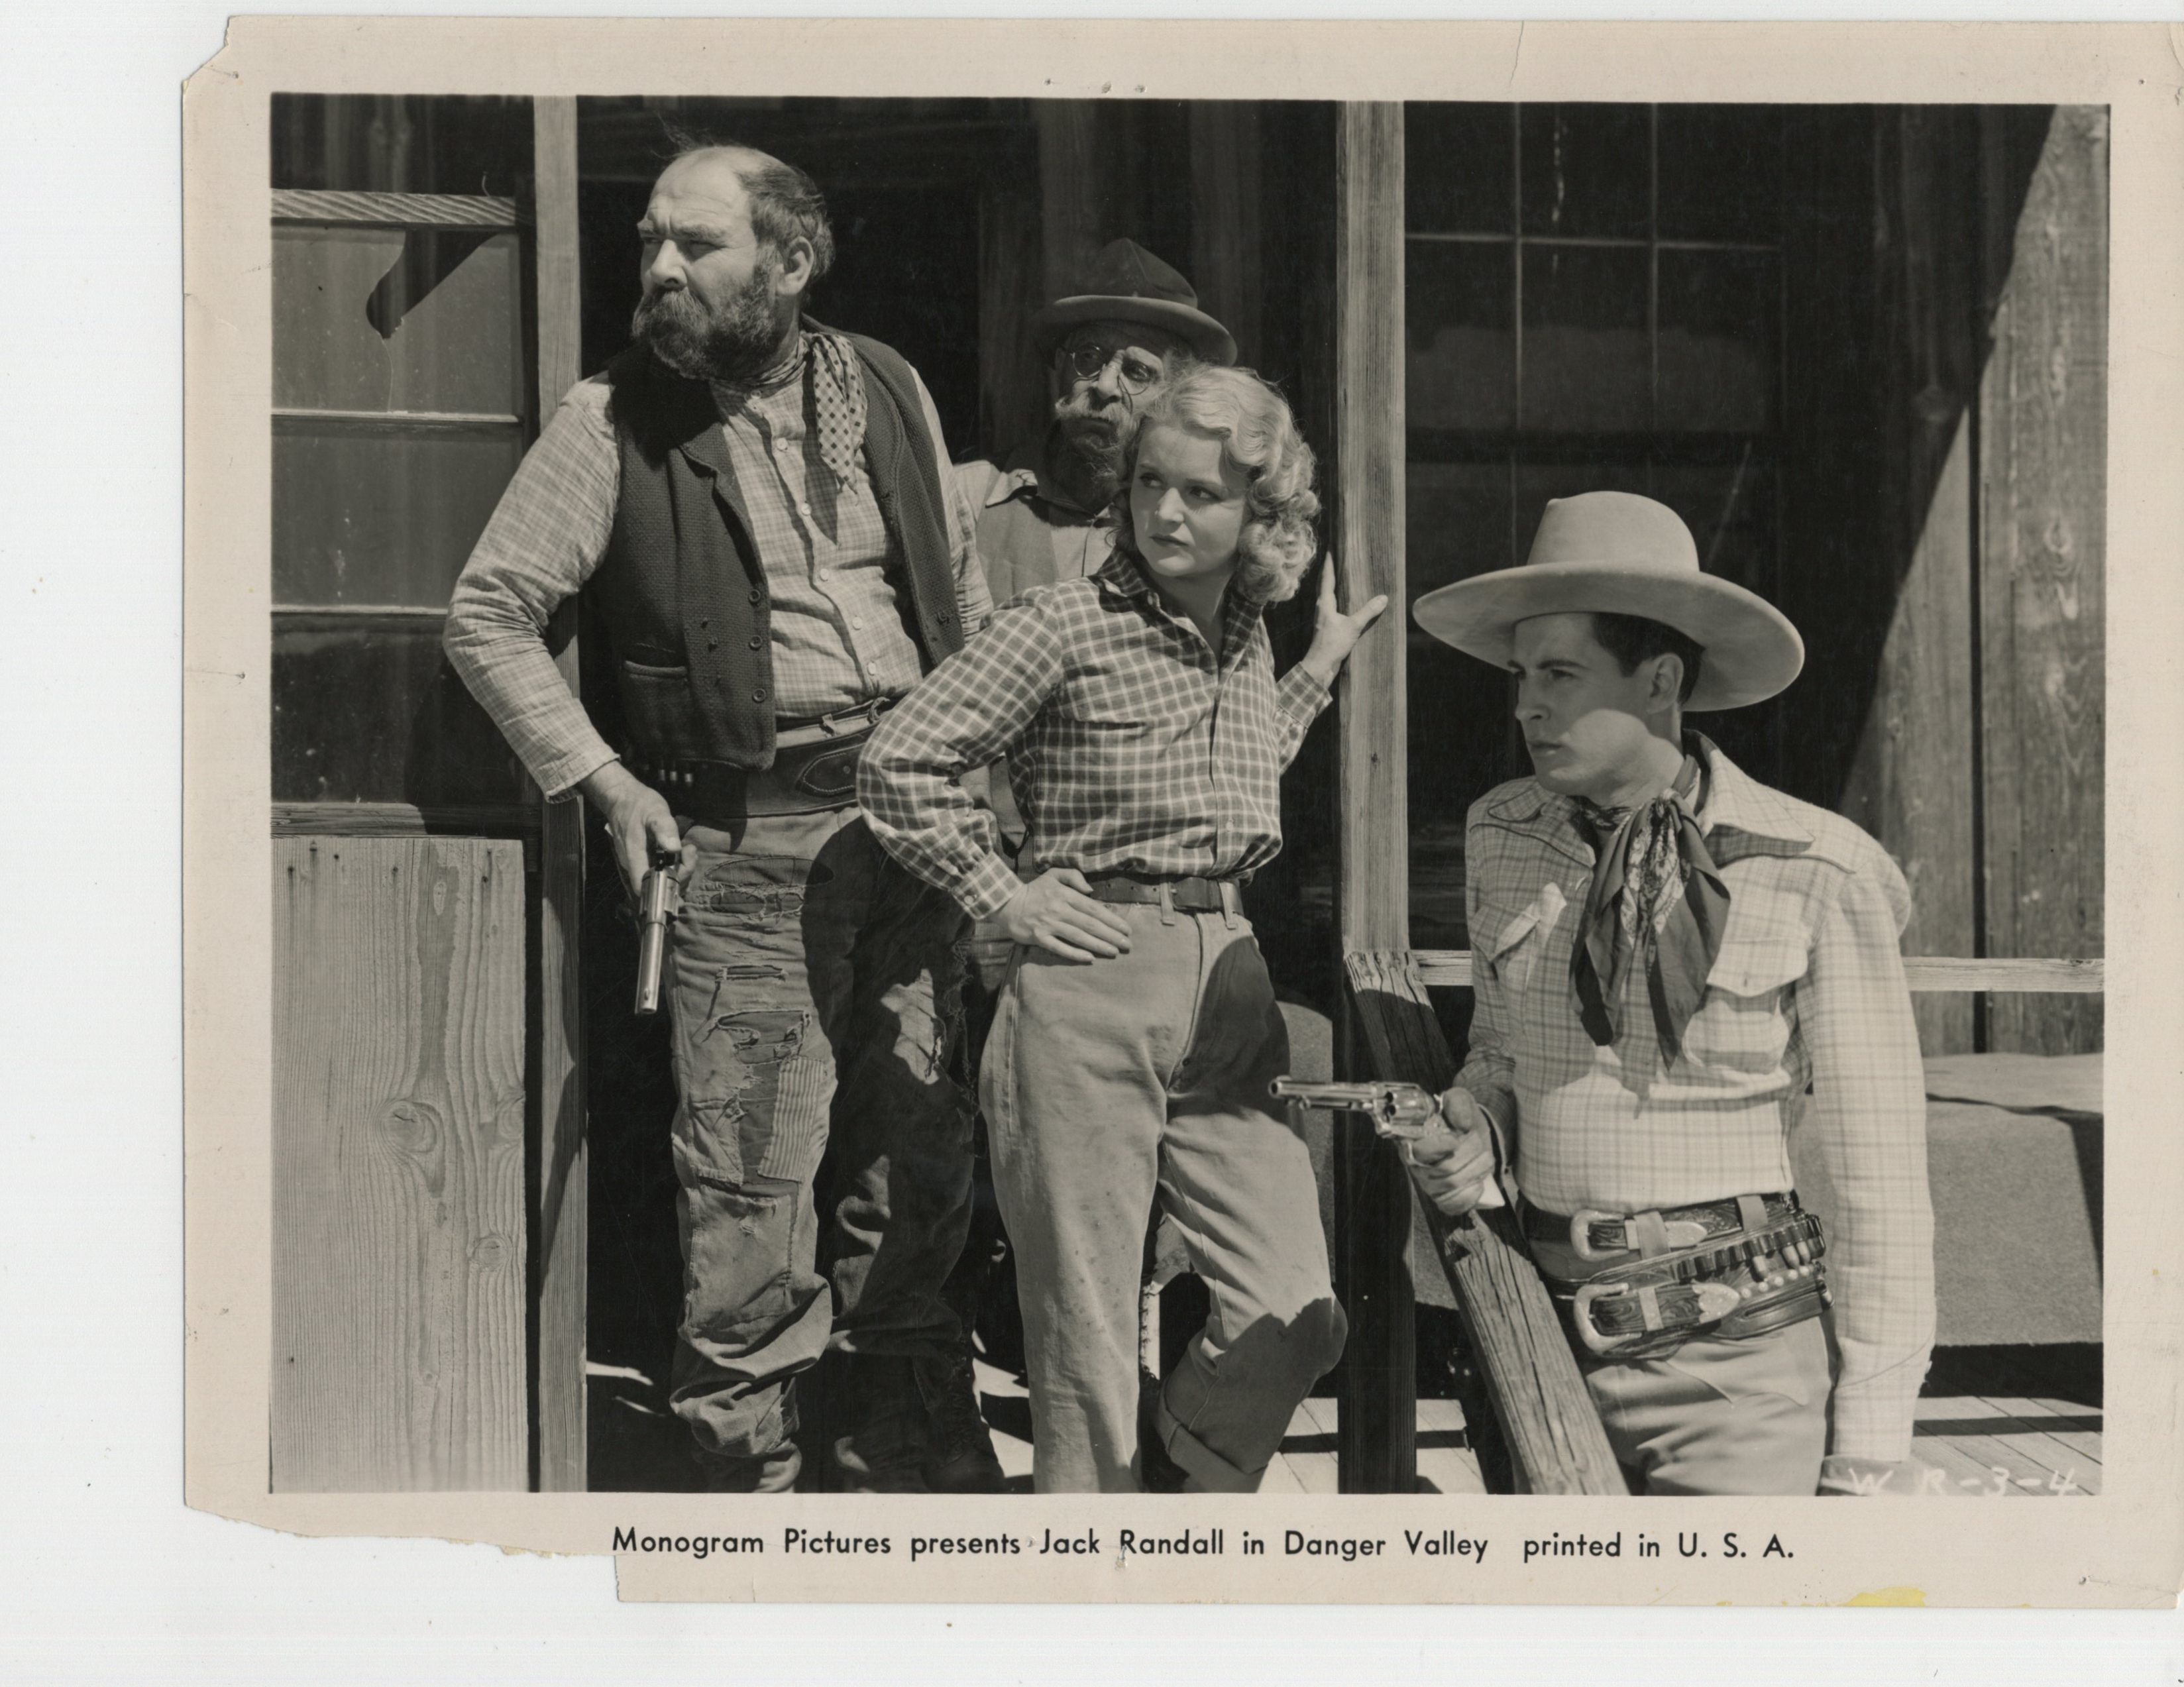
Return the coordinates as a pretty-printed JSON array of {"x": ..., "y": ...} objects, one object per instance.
[
  {"x": 1137, "y": 1033},
  {"x": 1666, "y": 953}
]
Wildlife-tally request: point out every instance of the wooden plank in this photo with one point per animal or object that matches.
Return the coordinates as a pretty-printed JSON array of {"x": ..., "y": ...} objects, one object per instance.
[
  {"x": 1225, "y": 218},
  {"x": 403, "y": 820},
  {"x": 1373, "y": 1196},
  {"x": 398, "y": 1162},
  {"x": 559, "y": 1174},
  {"x": 2042, "y": 498},
  {"x": 1994, "y": 1436},
  {"x": 1069, "y": 190},
  {"x": 1450, "y": 969},
  {"x": 403, "y": 424},
  {"x": 1547, "y": 1413},
  {"x": 1912, "y": 780},
  {"x": 1013, "y": 386},
  {"x": 396, "y": 210}
]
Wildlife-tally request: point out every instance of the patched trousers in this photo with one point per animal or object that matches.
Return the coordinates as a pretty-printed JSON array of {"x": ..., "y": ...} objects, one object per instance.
[
  {"x": 815, "y": 988},
  {"x": 1112, "y": 1087}
]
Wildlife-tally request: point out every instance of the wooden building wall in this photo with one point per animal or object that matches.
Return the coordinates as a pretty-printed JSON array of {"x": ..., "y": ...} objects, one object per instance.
[
  {"x": 1943, "y": 523},
  {"x": 399, "y": 1216}
]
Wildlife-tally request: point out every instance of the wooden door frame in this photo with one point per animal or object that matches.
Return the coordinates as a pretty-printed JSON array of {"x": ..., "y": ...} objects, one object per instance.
[{"x": 559, "y": 1210}]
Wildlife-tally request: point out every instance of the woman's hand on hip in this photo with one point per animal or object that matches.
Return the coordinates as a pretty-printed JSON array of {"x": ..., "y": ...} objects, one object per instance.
[{"x": 1057, "y": 912}]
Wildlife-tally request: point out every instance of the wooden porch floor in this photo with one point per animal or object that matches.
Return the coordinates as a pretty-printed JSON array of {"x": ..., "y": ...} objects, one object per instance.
[
  {"x": 1993, "y": 1445},
  {"x": 1998, "y": 1422}
]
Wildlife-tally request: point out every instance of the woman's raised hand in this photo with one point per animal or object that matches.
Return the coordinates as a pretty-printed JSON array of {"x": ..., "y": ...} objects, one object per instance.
[{"x": 1336, "y": 634}]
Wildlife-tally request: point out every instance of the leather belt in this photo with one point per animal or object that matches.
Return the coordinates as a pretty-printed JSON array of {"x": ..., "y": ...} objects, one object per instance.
[
  {"x": 1592, "y": 1234},
  {"x": 1184, "y": 895},
  {"x": 815, "y": 770},
  {"x": 1757, "y": 1269}
]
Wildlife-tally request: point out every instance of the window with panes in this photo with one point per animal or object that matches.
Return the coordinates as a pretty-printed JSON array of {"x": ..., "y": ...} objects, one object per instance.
[
  {"x": 1593, "y": 300},
  {"x": 402, "y": 372}
]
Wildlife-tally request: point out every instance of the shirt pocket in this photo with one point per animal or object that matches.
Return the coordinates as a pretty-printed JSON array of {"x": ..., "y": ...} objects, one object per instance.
[
  {"x": 1514, "y": 938},
  {"x": 1743, "y": 1024}
]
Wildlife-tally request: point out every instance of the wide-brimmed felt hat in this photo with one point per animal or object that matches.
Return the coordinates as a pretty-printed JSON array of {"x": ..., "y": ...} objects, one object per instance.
[
  {"x": 1614, "y": 553},
  {"x": 1126, "y": 283}
]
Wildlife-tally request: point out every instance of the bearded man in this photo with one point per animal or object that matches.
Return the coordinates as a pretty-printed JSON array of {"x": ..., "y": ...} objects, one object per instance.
[{"x": 761, "y": 510}]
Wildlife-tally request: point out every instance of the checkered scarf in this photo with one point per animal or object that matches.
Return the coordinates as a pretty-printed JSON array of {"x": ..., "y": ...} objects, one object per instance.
[
  {"x": 1656, "y": 900},
  {"x": 838, "y": 400}
]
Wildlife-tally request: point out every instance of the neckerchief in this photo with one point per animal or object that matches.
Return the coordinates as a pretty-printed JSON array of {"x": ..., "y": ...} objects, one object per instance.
[
  {"x": 837, "y": 402},
  {"x": 837, "y": 386},
  {"x": 1657, "y": 899}
]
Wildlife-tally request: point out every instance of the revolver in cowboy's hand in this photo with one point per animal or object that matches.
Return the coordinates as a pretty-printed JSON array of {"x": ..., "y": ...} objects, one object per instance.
[{"x": 1403, "y": 1112}]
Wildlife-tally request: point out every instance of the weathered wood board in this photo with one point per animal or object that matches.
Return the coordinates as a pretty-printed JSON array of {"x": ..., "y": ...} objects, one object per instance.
[
  {"x": 558, "y": 1175},
  {"x": 2043, "y": 409},
  {"x": 1378, "y": 1428},
  {"x": 1547, "y": 1414},
  {"x": 398, "y": 1128}
]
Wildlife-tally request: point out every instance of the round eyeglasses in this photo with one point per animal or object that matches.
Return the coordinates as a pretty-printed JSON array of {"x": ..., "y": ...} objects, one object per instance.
[{"x": 1134, "y": 374}]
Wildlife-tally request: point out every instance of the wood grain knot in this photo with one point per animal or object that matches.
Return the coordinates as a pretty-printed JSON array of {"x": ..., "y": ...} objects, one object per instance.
[{"x": 414, "y": 1127}]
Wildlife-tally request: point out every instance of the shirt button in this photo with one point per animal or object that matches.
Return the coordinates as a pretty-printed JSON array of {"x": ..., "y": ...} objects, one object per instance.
[
  {"x": 823, "y": 574},
  {"x": 803, "y": 509},
  {"x": 781, "y": 445},
  {"x": 855, "y": 624}
]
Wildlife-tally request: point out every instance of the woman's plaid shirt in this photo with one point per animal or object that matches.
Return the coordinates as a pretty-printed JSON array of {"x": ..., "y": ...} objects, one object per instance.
[
  {"x": 1131, "y": 747},
  {"x": 1807, "y": 990}
]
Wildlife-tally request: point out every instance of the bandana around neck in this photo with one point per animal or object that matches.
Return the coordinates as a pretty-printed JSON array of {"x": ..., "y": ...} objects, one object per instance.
[
  {"x": 837, "y": 402},
  {"x": 1657, "y": 901}
]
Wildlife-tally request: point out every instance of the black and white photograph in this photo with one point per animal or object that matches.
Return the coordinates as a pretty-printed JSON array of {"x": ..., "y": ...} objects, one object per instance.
[{"x": 1007, "y": 797}]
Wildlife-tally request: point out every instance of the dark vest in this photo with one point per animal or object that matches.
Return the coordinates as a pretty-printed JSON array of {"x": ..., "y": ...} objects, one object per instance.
[{"x": 681, "y": 595}]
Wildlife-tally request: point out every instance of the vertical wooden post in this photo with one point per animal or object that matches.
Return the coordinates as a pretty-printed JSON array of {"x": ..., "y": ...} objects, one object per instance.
[
  {"x": 1377, "y": 1440},
  {"x": 559, "y": 1218}
]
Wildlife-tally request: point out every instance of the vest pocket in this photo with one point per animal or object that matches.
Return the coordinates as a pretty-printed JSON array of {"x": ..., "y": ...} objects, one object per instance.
[{"x": 657, "y": 703}]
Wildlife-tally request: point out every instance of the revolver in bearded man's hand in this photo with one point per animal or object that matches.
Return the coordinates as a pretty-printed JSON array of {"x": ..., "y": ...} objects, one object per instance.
[
  {"x": 1401, "y": 1111},
  {"x": 658, "y": 904}
]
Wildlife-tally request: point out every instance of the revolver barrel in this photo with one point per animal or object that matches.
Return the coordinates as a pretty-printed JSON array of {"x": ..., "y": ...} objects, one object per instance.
[
  {"x": 1400, "y": 1110},
  {"x": 656, "y": 911}
]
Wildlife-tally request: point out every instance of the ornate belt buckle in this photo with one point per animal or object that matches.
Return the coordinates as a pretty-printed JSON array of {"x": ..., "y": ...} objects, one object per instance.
[
  {"x": 1580, "y": 1232},
  {"x": 1596, "y": 1339}
]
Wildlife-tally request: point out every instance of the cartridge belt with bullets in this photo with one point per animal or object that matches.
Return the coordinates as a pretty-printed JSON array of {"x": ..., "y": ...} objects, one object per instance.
[
  {"x": 1638, "y": 1285},
  {"x": 815, "y": 769}
]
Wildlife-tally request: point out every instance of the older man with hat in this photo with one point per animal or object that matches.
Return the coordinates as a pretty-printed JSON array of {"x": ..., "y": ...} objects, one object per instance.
[
  {"x": 1667, "y": 955},
  {"x": 1125, "y": 324}
]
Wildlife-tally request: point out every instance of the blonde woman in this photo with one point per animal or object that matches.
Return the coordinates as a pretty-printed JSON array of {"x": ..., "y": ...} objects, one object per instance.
[{"x": 1136, "y": 1032}]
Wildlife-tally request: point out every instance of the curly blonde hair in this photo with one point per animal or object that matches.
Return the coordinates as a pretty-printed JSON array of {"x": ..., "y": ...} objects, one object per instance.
[{"x": 1259, "y": 439}]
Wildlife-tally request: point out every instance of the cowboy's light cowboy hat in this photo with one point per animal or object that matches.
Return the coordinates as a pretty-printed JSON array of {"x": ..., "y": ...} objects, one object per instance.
[
  {"x": 1126, "y": 283},
  {"x": 1615, "y": 553}
]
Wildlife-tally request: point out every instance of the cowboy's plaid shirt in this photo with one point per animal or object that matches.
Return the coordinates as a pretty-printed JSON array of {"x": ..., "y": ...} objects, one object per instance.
[
  {"x": 1130, "y": 747},
  {"x": 1807, "y": 989}
]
